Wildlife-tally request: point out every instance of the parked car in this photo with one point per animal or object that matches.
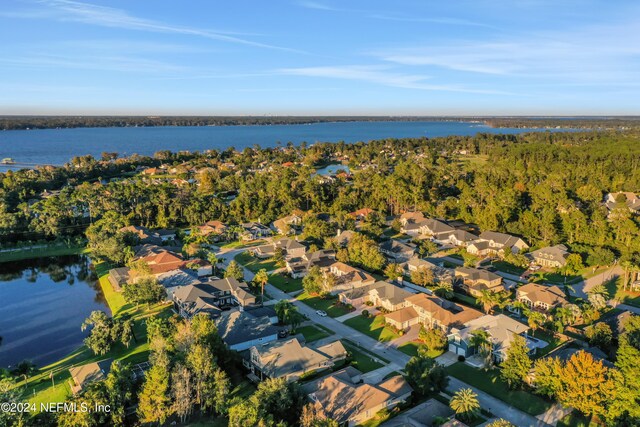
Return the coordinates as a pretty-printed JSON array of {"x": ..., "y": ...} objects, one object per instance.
[{"x": 321, "y": 313}]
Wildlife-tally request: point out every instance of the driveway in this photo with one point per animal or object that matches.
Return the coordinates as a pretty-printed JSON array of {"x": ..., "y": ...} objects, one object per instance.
[{"x": 581, "y": 288}]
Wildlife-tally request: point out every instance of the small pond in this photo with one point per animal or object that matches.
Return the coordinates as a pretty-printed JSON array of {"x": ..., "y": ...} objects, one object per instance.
[{"x": 43, "y": 302}]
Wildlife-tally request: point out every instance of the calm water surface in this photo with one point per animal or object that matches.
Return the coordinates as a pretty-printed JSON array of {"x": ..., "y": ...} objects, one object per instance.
[
  {"x": 58, "y": 146},
  {"x": 43, "y": 302}
]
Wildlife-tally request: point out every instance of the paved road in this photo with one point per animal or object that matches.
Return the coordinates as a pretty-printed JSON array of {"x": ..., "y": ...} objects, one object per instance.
[
  {"x": 388, "y": 352},
  {"x": 581, "y": 288}
]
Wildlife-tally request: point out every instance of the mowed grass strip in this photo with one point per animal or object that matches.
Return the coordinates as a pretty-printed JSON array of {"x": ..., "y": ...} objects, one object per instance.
[
  {"x": 374, "y": 327},
  {"x": 312, "y": 333},
  {"x": 284, "y": 283},
  {"x": 361, "y": 360},
  {"x": 491, "y": 383}
]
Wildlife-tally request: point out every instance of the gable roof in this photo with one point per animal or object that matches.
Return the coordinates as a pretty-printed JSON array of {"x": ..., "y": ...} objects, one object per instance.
[
  {"x": 500, "y": 328},
  {"x": 445, "y": 312},
  {"x": 90, "y": 372},
  {"x": 396, "y": 247},
  {"x": 239, "y": 326},
  {"x": 501, "y": 238},
  {"x": 476, "y": 274},
  {"x": 281, "y": 358},
  {"x": 392, "y": 293},
  {"x": 550, "y": 295},
  {"x": 557, "y": 253}
]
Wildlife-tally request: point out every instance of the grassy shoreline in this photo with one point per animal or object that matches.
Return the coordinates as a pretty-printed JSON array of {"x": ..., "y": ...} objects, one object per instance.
[{"x": 42, "y": 252}]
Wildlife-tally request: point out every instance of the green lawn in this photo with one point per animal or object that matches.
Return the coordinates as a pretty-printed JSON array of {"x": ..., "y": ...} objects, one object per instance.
[
  {"x": 255, "y": 264},
  {"x": 615, "y": 291},
  {"x": 508, "y": 267},
  {"x": 575, "y": 419},
  {"x": 312, "y": 333},
  {"x": 50, "y": 250},
  {"x": 361, "y": 359},
  {"x": 491, "y": 383},
  {"x": 411, "y": 349},
  {"x": 466, "y": 299},
  {"x": 331, "y": 305},
  {"x": 284, "y": 283},
  {"x": 236, "y": 244},
  {"x": 372, "y": 326}
]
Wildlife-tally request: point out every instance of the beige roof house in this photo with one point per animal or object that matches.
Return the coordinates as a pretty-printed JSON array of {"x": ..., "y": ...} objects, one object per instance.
[
  {"x": 501, "y": 241},
  {"x": 348, "y": 402},
  {"x": 431, "y": 311},
  {"x": 83, "y": 375},
  {"x": 349, "y": 277},
  {"x": 476, "y": 280},
  {"x": 541, "y": 297}
]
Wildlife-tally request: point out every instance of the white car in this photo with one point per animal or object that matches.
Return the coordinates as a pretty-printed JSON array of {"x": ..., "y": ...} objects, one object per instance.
[{"x": 321, "y": 313}]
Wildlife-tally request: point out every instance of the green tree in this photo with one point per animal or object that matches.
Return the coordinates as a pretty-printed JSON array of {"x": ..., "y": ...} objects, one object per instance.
[
  {"x": 548, "y": 376},
  {"x": 423, "y": 276},
  {"x": 146, "y": 290},
  {"x": 182, "y": 391},
  {"x": 433, "y": 338},
  {"x": 517, "y": 364},
  {"x": 535, "y": 320},
  {"x": 626, "y": 404},
  {"x": 393, "y": 271},
  {"x": 599, "y": 335},
  {"x": 465, "y": 403},
  {"x": 119, "y": 388},
  {"x": 154, "y": 400},
  {"x": 481, "y": 340},
  {"x": 234, "y": 270},
  {"x": 100, "y": 339},
  {"x": 444, "y": 289},
  {"x": 573, "y": 264},
  {"x": 312, "y": 282},
  {"x": 425, "y": 375},
  {"x": 500, "y": 423}
]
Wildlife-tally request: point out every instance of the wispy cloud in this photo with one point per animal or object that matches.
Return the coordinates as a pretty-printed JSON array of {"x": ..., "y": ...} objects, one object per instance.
[
  {"x": 592, "y": 53},
  {"x": 433, "y": 20},
  {"x": 75, "y": 11},
  {"x": 316, "y": 5},
  {"x": 380, "y": 75}
]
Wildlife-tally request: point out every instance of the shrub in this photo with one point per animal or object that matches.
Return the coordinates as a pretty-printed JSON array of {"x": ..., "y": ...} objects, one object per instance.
[
  {"x": 461, "y": 358},
  {"x": 365, "y": 313}
]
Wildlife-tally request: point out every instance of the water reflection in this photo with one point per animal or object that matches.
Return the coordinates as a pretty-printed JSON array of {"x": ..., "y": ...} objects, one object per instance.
[{"x": 42, "y": 305}]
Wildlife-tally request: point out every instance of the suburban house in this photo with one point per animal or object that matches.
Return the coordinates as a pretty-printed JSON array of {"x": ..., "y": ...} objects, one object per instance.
[
  {"x": 432, "y": 312},
  {"x": 628, "y": 199},
  {"x": 381, "y": 294},
  {"x": 215, "y": 228},
  {"x": 291, "y": 360},
  {"x": 291, "y": 248},
  {"x": 455, "y": 238},
  {"x": 344, "y": 237},
  {"x": 551, "y": 256},
  {"x": 299, "y": 267},
  {"x": 475, "y": 280},
  {"x": 494, "y": 243},
  {"x": 154, "y": 237},
  {"x": 348, "y": 277},
  {"x": 397, "y": 251},
  {"x": 540, "y": 297},
  {"x": 211, "y": 297},
  {"x": 410, "y": 223},
  {"x": 255, "y": 231},
  {"x": 361, "y": 214},
  {"x": 241, "y": 330},
  {"x": 350, "y": 402},
  {"x": 83, "y": 375},
  {"x": 160, "y": 260},
  {"x": 501, "y": 330},
  {"x": 118, "y": 277},
  {"x": 287, "y": 224}
]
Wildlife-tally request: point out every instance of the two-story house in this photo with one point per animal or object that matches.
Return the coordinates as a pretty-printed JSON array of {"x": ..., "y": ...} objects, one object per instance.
[
  {"x": 540, "y": 297},
  {"x": 396, "y": 251},
  {"x": 432, "y": 312},
  {"x": 348, "y": 277},
  {"x": 494, "y": 243},
  {"x": 550, "y": 256},
  {"x": 474, "y": 280}
]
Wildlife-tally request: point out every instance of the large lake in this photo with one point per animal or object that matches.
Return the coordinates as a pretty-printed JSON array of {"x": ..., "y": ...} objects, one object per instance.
[
  {"x": 58, "y": 146},
  {"x": 43, "y": 302}
]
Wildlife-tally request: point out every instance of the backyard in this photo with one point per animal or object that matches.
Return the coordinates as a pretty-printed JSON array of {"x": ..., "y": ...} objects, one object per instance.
[
  {"x": 330, "y": 305},
  {"x": 372, "y": 326},
  {"x": 491, "y": 383},
  {"x": 614, "y": 287}
]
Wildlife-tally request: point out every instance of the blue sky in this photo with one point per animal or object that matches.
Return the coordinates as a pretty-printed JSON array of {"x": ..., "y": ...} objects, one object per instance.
[{"x": 472, "y": 57}]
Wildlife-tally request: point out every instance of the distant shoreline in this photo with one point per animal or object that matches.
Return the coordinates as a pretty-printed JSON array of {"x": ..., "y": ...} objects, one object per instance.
[{"x": 523, "y": 122}]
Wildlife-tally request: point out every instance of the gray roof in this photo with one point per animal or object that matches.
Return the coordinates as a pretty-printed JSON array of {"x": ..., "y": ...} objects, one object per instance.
[
  {"x": 557, "y": 253},
  {"x": 390, "y": 292},
  {"x": 178, "y": 277},
  {"x": 395, "y": 246},
  {"x": 500, "y": 238},
  {"x": 477, "y": 274},
  {"x": 239, "y": 326}
]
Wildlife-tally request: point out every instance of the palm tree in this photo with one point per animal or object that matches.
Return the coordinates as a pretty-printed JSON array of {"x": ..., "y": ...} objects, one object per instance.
[
  {"x": 465, "y": 403},
  {"x": 213, "y": 259},
  {"x": 488, "y": 300},
  {"x": 481, "y": 340},
  {"x": 444, "y": 289},
  {"x": 565, "y": 316},
  {"x": 261, "y": 278},
  {"x": 535, "y": 320}
]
